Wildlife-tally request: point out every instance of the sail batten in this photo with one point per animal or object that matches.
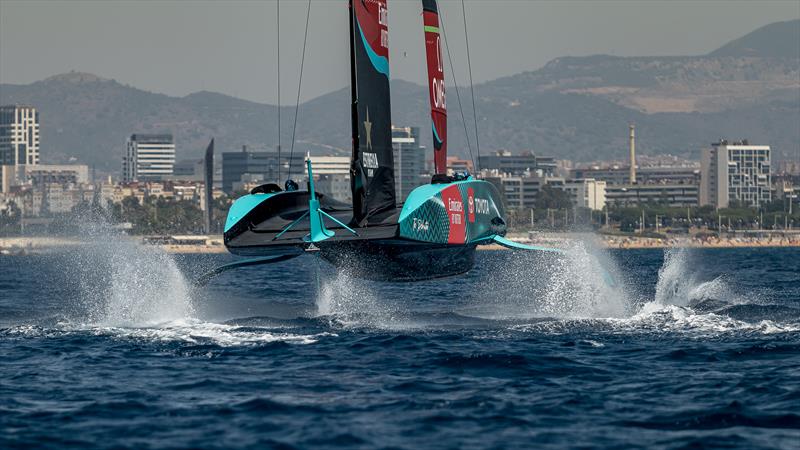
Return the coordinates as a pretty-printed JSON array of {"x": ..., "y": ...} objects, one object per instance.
[
  {"x": 436, "y": 88},
  {"x": 372, "y": 162}
]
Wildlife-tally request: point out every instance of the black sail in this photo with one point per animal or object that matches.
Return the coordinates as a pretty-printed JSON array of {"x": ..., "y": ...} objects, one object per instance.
[{"x": 372, "y": 163}]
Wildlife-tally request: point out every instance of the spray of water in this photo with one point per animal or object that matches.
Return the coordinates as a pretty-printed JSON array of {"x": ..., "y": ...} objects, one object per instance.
[
  {"x": 679, "y": 285},
  {"x": 125, "y": 284},
  {"x": 351, "y": 301},
  {"x": 582, "y": 283},
  {"x": 128, "y": 290}
]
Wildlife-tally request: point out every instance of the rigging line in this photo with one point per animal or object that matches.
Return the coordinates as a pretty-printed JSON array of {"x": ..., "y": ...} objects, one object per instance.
[
  {"x": 471, "y": 86},
  {"x": 278, "y": 21},
  {"x": 455, "y": 83},
  {"x": 299, "y": 84}
]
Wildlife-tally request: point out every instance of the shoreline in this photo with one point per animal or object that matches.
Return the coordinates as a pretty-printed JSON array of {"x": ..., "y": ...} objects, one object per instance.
[
  {"x": 214, "y": 245},
  {"x": 39, "y": 245}
]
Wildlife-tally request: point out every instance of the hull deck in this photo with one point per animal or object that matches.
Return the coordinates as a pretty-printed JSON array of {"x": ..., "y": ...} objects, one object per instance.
[{"x": 434, "y": 234}]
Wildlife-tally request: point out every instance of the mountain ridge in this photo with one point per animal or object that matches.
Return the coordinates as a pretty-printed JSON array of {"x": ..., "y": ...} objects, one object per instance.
[{"x": 572, "y": 107}]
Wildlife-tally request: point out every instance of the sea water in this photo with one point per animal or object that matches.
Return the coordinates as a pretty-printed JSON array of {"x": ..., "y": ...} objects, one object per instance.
[{"x": 108, "y": 345}]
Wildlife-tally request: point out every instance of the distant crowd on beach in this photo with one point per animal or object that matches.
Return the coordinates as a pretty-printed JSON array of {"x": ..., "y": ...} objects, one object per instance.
[{"x": 701, "y": 241}]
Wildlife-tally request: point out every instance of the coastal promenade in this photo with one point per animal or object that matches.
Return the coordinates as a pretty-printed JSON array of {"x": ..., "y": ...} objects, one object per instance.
[{"x": 705, "y": 242}]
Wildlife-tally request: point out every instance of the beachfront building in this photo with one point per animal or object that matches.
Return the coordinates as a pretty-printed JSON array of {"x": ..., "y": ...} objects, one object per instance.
[
  {"x": 148, "y": 157},
  {"x": 735, "y": 171},
  {"x": 635, "y": 195},
  {"x": 644, "y": 175},
  {"x": 505, "y": 162},
  {"x": 587, "y": 193},
  {"x": 518, "y": 192}
]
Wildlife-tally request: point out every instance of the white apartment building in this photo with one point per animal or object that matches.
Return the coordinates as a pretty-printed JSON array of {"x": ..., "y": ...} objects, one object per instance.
[
  {"x": 330, "y": 165},
  {"x": 19, "y": 135},
  {"x": 519, "y": 192},
  {"x": 148, "y": 157},
  {"x": 735, "y": 171},
  {"x": 335, "y": 185},
  {"x": 587, "y": 193},
  {"x": 42, "y": 174}
]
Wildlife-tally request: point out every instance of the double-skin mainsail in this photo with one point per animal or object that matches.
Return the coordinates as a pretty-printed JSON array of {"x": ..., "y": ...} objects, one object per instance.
[{"x": 372, "y": 162}]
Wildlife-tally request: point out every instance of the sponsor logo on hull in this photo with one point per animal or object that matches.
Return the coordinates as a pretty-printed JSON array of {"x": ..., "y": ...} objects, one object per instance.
[{"x": 458, "y": 213}]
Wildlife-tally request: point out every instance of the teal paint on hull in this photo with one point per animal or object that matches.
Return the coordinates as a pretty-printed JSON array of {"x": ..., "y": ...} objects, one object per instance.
[
  {"x": 462, "y": 212},
  {"x": 520, "y": 246},
  {"x": 242, "y": 206}
]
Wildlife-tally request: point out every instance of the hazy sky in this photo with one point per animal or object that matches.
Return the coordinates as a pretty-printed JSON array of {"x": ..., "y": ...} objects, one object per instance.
[{"x": 179, "y": 47}]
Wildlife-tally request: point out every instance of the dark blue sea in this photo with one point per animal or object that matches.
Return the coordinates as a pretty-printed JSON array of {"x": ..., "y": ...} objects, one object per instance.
[{"x": 108, "y": 345}]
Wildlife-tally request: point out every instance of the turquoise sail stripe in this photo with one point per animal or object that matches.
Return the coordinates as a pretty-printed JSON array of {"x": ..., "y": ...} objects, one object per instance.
[
  {"x": 242, "y": 206},
  {"x": 380, "y": 63},
  {"x": 435, "y": 134}
]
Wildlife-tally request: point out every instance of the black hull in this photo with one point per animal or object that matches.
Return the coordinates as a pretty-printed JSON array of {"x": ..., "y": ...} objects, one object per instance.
[
  {"x": 434, "y": 234},
  {"x": 399, "y": 260}
]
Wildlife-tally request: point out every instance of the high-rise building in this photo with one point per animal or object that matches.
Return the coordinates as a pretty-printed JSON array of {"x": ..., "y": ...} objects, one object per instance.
[
  {"x": 409, "y": 161},
  {"x": 19, "y": 135},
  {"x": 262, "y": 165},
  {"x": 148, "y": 157},
  {"x": 735, "y": 171}
]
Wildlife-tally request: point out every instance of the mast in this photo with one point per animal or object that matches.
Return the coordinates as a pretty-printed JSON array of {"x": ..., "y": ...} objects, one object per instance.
[
  {"x": 208, "y": 178},
  {"x": 356, "y": 186},
  {"x": 436, "y": 89},
  {"x": 372, "y": 161}
]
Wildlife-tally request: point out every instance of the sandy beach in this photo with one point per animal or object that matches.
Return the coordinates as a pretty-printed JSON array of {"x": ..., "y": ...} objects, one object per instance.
[{"x": 214, "y": 244}]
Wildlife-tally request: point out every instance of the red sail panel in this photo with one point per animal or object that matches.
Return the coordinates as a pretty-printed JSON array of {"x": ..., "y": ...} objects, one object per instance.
[{"x": 430, "y": 17}]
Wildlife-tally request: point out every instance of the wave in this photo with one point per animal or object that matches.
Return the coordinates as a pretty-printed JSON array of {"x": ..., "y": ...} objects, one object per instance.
[
  {"x": 184, "y": 331},
  {"x": 132, "y": 291}
]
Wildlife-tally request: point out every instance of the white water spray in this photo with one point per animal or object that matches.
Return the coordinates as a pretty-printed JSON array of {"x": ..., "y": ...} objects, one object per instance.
[
  {"x": 578, "y": 284},
  {"x": 126, "y": 284},
  {"x": 678, "y": 284},
  {"x": 351, "y": 301}
]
